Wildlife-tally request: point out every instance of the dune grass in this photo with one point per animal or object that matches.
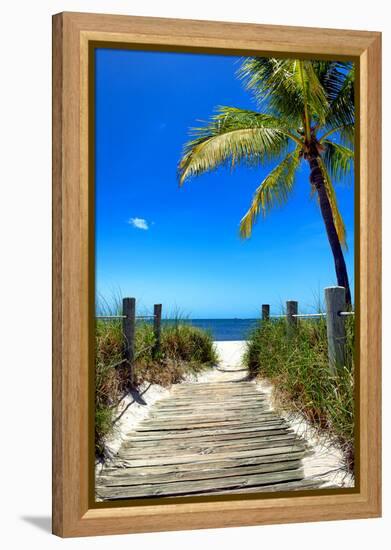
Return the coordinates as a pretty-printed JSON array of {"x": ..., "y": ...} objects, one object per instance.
[
  {"x": 297, "y": 366},
  {"x": 184, "y": 350}
]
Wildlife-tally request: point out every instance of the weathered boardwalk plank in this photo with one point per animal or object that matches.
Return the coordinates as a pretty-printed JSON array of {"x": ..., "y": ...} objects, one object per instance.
[
  {"x": 123, "y": 476},
  {"x": 181, "y": 488},
  {"x": 204, "y": 439}
]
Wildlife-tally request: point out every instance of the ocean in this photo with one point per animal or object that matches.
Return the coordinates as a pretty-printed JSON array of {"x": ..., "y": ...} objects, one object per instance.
[{"x": 223, "y": 329}]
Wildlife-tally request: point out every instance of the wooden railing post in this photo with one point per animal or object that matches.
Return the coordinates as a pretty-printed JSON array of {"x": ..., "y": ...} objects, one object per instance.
[
  {"x": 265, "y": 312},
  {"x": 292, "y": 308},
  {"x": 335, "y": 297},
  {"x": 157, "y": 322},
  {"x": 129, "y": 329}
]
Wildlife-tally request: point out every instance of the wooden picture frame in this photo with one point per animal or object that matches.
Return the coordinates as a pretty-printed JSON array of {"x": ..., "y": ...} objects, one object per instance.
[{"x": 73, "y": 34}]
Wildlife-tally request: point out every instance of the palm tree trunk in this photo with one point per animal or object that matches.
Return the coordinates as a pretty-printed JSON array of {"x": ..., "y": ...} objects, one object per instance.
[{"x": 316, "y": 179}]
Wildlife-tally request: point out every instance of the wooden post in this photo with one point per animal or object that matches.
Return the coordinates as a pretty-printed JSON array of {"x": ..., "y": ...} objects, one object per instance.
[
  {"x": 265, "y": 312},
  {"x": 335, "y": 297},
  {"x": 129, "y": 328},
  {"x": 291, "y": 309},
  {"x": 157, "y": 321}
]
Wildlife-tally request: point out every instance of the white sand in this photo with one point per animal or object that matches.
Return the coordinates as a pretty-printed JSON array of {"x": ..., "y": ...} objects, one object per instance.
[
  {"x": 231, "y": 353},
  {"x": 230, "y": 364},
  {"x": 132, "y": 409},
  {"x": 326, "y": 461}
]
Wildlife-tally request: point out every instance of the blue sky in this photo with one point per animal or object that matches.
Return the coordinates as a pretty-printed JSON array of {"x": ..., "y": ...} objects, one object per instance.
[{"x": 181, "y": 247}]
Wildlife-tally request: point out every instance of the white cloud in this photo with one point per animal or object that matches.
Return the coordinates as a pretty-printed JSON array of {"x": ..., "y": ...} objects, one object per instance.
[{"x": 139, "y": 223}]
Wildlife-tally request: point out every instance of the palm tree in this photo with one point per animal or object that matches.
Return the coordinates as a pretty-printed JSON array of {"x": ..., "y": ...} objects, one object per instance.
[{"x": 306, "y": 113}]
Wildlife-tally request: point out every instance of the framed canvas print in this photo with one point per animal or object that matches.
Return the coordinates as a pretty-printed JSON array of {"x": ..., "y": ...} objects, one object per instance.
[{"x": 216, "y": 230}]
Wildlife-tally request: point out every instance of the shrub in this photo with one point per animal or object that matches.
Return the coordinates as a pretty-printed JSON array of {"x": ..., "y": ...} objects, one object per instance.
[
  {"x": 187, "y": 343},
  {"x": 297, "y": 366},
  {"x": 108, "y": 354},
  {"x": 184, "y": 350}
]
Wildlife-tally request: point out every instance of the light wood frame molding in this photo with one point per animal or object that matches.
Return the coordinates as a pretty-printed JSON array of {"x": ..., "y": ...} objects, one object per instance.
[{"x": 73, "y": 514}]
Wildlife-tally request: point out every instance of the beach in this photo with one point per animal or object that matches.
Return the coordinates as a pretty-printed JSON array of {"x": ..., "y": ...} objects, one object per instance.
[
  {"x": 324, "y": 461},
  {"x": 230, "y": 352}
]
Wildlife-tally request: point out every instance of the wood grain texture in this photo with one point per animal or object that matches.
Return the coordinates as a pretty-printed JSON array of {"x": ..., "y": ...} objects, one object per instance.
[
  {"x": 191, "y": 466},
  {"x": 57, "y": 432},
  {"x": 213, "y": 34},
  {"x": 73, "y": 515}
]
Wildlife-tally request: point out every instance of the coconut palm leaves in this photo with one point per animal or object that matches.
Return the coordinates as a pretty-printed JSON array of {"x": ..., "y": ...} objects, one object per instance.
[
  {"x": 306, "y": 112},
  {"x": 274, "y": 189},
  {"x": 234, "y": 136},
  {"x": 289, "y": 87},
  {"x": 338, "y": 159},
  {"x": 341, "y": 100},
  {"x": 298, "y": 98},
  {"x": 338, "y": 221}
]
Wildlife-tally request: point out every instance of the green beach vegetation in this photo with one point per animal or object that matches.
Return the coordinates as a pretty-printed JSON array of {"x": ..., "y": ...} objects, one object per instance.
[
  {"x": 184, "y": 350},
  {"x": 297, "y": 366}
]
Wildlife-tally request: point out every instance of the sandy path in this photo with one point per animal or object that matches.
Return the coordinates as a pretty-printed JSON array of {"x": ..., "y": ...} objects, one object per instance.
[
  {"x": 326, "y": 459},
  {"x": 230, "y": 368},
  {"x": 213, "y": 435}
]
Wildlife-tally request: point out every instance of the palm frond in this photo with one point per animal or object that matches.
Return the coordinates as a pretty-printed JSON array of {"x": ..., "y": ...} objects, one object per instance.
[
  {"x": 338, "y": 159},
  {"x": 305, "y": 89},
  {"x": 270, "y": 80},
  {"x": 312, "y": 91},
  {"x": 273, "y": 190},
  {"x": 303, "y": 98},
  {"x": 341, "y": 111},
  {"x": 338, "y": 221},
  {"x": 289, "y": 87},
  {"x": 332, "y": 76},
  {"x": 233, "y": 136},
  {"x": 347, "y": 134}
]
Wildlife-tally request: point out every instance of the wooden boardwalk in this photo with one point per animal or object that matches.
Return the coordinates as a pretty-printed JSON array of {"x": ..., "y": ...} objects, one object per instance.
[{"x": 207, "y": 439}]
